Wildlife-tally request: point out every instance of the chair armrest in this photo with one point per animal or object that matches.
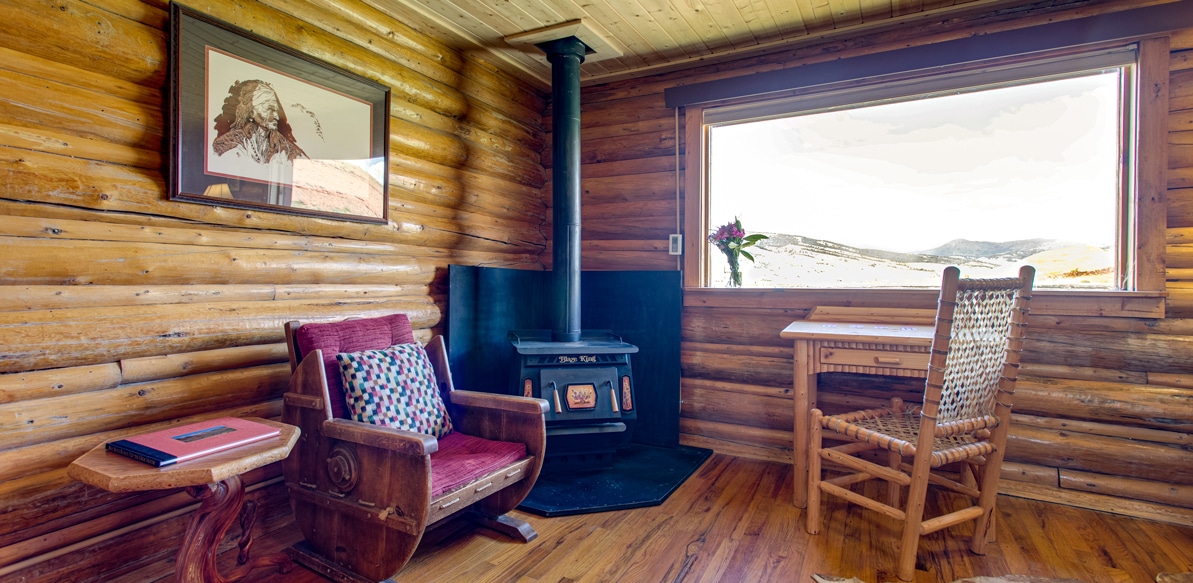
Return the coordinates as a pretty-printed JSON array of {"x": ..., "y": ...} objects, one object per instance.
[
  {"x": 509, "y": 403},
  {"x": 387, "y": 438},
  {"x": 501, "y": 417}
]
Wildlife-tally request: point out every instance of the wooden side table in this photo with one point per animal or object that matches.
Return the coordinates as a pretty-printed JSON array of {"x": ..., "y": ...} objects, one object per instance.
[
  {"x": 213, "y": 479},
  {"x": 854, "y": 347}
]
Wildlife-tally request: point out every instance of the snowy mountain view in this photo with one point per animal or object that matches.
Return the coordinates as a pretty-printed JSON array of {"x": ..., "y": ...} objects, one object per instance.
[{"x": 785, "y": 261}]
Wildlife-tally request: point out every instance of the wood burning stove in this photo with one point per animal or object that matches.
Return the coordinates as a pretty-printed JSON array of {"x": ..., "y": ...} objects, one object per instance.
[
  {"x": 584, "y": 375},
  {"x": 590, "y": 388}
]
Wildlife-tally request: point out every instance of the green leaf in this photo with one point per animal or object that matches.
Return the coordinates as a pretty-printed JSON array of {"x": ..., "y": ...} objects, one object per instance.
[{"x": 747, "y": 256}]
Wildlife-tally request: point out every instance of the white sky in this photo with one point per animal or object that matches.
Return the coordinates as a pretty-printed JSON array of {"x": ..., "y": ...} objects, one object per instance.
[{"x": 897, "y": 176}]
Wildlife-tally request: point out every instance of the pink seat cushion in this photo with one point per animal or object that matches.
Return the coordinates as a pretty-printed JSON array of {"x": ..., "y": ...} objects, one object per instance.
[
  {"x": 350, "y": 336},
  {"x": 463, "y": 458}
]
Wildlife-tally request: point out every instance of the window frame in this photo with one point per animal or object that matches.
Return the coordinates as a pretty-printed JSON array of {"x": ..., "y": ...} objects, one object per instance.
[{"x": 1142, "y": 226}]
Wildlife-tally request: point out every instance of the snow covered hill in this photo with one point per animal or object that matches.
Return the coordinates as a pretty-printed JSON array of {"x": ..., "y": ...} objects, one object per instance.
[{"x": 795, "y": 261}]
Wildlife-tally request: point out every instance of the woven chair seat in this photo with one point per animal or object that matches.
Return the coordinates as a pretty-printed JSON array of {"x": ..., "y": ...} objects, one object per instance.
[{"x": 890, "y": 430}]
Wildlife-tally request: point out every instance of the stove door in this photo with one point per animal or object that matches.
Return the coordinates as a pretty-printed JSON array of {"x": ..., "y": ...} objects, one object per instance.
[{"x": 580, "y": 394}]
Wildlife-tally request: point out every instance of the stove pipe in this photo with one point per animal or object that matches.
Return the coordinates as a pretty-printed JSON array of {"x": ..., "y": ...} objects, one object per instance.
[{"x": 565, "y": 56}]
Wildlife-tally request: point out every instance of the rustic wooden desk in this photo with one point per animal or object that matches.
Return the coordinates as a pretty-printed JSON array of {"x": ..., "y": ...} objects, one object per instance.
[
  {"x": 214, "y": 479},
  {"x": 862, "y": 348}
]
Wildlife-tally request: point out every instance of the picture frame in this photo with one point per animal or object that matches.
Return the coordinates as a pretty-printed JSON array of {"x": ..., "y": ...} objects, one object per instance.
[{"x": 257, "y": 125}]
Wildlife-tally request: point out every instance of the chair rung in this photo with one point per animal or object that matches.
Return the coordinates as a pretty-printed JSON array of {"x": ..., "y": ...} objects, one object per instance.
[
  {"x": 850, "y": 479},
  {"x": 939, "y": 480},
  {"x": 947, "y": 520},
  {"x": 860, "y": 500},
  {"x": 855, "y": 447},
  {"x": 954, "y": 486},
  {"x": 867, "y": 467}
]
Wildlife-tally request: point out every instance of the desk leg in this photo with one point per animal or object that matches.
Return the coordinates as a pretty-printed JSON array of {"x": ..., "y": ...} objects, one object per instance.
[
  {"x": 222, "y": 503},
  {"x": 804, "y": 400}
]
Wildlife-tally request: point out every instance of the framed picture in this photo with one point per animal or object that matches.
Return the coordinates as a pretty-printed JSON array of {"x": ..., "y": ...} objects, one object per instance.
[{"x": 257, "y": 125}]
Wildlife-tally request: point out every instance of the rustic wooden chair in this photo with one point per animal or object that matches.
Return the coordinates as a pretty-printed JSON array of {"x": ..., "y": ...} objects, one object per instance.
[
  {"x": 364, "y": 494},
  {"x": 963, "y": 420}
]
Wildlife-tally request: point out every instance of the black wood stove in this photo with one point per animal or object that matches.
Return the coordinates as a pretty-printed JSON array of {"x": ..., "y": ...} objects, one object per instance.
[
  {"x": 584, "y": 375},
  {"x": 590, "y": 390}
]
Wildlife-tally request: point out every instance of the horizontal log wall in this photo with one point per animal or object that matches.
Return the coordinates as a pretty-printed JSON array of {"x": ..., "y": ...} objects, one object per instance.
[
  {"x": 121, "y": 311},
  {"x": 1104, "y": 413}
]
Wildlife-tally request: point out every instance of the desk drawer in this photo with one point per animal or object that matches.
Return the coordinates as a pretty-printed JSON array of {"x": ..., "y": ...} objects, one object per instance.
[{"x": 874, "y": 358}]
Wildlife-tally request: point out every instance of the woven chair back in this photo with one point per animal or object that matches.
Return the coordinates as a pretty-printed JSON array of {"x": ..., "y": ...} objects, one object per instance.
[{"x": 984, "y": 322}]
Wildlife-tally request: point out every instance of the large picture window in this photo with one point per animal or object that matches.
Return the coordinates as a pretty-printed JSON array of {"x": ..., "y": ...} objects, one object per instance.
[
  {"x": 882, "y": 186},
  {"x": 867, "y": 186}
]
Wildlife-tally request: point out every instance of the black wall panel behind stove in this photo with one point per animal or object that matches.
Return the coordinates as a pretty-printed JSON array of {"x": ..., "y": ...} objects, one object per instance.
[{"x": 642, "y": 307}]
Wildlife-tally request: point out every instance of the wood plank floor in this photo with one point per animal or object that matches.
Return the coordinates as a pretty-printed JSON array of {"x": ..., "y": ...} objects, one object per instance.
[{"x": 733, "y": 521}]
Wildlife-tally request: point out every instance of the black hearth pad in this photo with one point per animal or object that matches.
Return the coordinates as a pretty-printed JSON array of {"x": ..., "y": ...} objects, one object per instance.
[{"x": 642, "y": 475}]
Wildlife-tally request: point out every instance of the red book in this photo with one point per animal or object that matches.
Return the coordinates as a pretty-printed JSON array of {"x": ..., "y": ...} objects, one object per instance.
[{"x": 178, "y": 444}]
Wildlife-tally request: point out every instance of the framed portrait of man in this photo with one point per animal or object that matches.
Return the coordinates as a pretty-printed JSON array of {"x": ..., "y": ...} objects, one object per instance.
[{"x": 257, "y": 125}]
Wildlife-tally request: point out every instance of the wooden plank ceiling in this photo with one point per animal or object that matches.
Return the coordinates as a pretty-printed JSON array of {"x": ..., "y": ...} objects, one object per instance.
[{"x": 641, "y": 37}]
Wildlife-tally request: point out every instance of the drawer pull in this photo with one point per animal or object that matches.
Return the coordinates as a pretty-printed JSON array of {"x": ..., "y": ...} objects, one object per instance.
[
  {"x": 483, "y": 488},
  {"x": 513, "y": 473},
  {"x": 888, "y": 360},
  {"x": 446, "y": 504}
]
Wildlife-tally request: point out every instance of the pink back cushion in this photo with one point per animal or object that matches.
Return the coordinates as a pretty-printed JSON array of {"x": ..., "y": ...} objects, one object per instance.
[{"x": 350, "y": 336}]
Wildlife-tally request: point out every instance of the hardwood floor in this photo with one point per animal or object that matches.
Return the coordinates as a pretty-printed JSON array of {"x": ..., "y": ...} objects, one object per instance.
[{"x": 733, "y": 521}]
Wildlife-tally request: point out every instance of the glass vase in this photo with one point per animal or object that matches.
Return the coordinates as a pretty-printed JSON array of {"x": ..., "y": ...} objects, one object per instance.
[{"x": 734, "y": 272}]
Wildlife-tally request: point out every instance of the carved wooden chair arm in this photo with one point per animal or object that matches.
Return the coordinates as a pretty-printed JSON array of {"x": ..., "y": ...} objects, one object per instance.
[
  {"x": 475, "y": 399},
  {"x": 396, "y": 440},
  {"x": 500, "y": 417}
]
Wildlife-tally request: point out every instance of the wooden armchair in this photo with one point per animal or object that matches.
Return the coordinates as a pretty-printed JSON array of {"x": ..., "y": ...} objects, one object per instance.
[
  {"x": 963, "y": 421},
  {"x": 364, "y": 494}
]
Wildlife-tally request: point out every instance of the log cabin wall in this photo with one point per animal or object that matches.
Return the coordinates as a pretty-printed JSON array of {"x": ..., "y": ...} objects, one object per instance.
[
  {"x": 1104, "y": 409},
  {"x": 121, "y": 311}
]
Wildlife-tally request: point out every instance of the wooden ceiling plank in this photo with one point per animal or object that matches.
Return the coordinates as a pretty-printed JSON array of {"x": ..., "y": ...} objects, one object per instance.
[
  {"x": 526, "y": 16},
  {"x": 846, "y": 13},
  {"x": 664, "y": 49},
  {"x": 701, "y": 19},
  {"x": 595, "y": 68},
  {"x": 421, "y": 15},
  {"x": 874, "y": 10},
  {"x": 676, "y": 27},
  {"x": 483, "y": 18},
  {"x": 818, "y": 17},
  {"x": 546, "y": 13},
  {"x": 612, "y": 66},
  {"x": 790, "y": 18},
  {"x": 728, "y": 19},
  {"x": 758, "y": 16},
  {"x": 456, "y": 14}
]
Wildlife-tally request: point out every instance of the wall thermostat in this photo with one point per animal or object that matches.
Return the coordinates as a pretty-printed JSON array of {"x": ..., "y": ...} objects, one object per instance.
[{"x": 675, "y": 244}]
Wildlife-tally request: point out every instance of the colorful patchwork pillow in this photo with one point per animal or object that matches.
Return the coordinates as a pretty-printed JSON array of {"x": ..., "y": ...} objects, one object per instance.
[{"x": 394, "y": 387}]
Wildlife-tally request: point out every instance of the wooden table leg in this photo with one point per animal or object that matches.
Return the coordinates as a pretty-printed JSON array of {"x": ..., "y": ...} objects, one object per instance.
[
  {"x": 222, "y": 503},
  {"x": 804, "y": 400}
]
